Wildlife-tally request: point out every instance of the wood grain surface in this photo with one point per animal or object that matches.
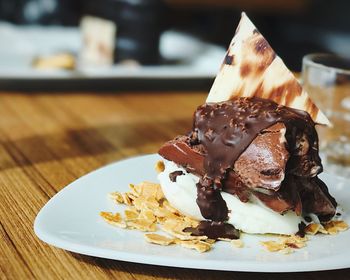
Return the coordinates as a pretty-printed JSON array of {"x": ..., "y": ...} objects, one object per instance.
[{"x": 47, "y": 140}]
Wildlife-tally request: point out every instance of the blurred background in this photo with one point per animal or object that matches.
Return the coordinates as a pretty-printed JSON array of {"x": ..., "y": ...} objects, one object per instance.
[{"x": 76, "y": 39}]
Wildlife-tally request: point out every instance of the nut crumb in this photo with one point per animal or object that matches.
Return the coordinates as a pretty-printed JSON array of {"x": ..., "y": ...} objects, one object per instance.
[
  {"x": 159, "y": 166},
  {"x": 117, "y": 197},
  {"x": 113, "y": 219},
  {"x": 159, "y": 239},
  {"x": 238, "y": 243},
  {"x": 285, "y": 244},
  {"x": 198, "y": 245}
]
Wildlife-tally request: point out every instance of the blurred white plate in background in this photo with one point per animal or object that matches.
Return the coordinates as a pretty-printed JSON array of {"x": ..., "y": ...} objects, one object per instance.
[{"x": 20, "y": 45}]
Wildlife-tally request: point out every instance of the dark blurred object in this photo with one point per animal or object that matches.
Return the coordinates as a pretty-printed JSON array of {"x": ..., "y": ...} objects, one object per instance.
[
  {"x": 139, "y": 25},
  {"x": 139, "y": 22},
  {"x": 265, "y": 6},
  {"x": 293, "y": 27},
  {"x": 47, "y": 12}
]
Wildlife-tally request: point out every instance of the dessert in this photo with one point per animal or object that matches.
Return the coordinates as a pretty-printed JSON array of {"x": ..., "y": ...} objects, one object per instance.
[
  {"x": 251, "y": 160},
  {"x": 249, "y": 164}
]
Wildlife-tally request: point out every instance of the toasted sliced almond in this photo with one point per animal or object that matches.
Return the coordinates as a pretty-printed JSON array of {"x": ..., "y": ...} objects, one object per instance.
[
  {"x": 147, "y": 215},
  {"x": 142, "y": 225},
  {"x": 340, "y": 225},
  {"x": 161, "y": 220},
  {"x": 131, "y": 214},
  {"x": 238, "y": 243},
  {"x": 159, "y": 239},
  {"x": 333, "y": 227},
  {"x": 190, "y": 222},
  {"x": 273, "y": 246},
  {"x": 159, "y": 166},
  {"x": 126, "y": 199},
  {"x": 286, "y": 244},
  {"x": 148, "y": 189},
  {"x": 116, "y": 196},
  {"x": 131, "y": 196},
  {"x": 200, "y": 246},
  {"x": 312, "y": 228},
  {"x": 167, "y": 206},
  {"x": 162, "y": 212},
  {"x": 295, "y": 238},
  {"x": 134, "y": 190},
  {"x": 151, "y": 203},
  {"x": 295, "y": 245},
  {"x": 113, "y": 219},
  {"x": 322, "y": 230}
]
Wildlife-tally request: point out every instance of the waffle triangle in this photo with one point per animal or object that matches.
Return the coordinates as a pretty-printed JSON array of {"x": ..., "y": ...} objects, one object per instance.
[{"x": 252, "y": 68}]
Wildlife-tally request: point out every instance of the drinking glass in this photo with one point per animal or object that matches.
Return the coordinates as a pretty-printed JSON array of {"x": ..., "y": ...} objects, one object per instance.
[{"x": 326, "y": 77}]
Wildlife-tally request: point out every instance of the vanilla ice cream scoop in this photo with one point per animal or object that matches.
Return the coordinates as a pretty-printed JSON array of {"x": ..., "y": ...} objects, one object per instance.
[{"x": 250, "y": 217}]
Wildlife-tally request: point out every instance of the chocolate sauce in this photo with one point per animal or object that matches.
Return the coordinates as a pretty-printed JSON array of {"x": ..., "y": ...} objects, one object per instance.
[
  {"x": 316, "y": 198},
  {"x": 173, "y": 175},
  {"x": 301, "y": 231},
  {"x": 225, "y": 130},
  {"x": 214, "y": 230},
  {"x": 210, "y": 201}
]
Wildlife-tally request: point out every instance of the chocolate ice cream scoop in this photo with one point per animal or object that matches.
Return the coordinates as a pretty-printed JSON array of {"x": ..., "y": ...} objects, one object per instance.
[
  {"x": 252, "y": 147},
  {"x": 263, "y": 163},
  {"x": 180, "y": 151},
  {"x": 226, "y": 129}
]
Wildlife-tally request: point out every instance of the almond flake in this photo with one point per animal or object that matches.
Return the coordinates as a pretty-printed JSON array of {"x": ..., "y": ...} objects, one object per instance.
[{"x": 158, "y": 239}]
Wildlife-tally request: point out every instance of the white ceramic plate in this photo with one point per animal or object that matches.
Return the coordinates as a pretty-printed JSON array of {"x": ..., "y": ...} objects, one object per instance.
[{"x": 71, "y": 221}]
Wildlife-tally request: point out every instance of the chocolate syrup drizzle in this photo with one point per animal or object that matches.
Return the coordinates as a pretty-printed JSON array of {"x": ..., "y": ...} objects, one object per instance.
[
  {"x": 214, "y": 230},
  {"x": 173, "y": 175},
  {"x": 226, "y": 129}
]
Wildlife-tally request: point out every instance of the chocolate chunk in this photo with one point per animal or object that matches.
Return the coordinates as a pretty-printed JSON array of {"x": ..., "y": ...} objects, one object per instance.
[
  {"x": 275, "y": 202},
  {"x": 182, "y": 153},
  {"x": 173, "y": 175},
  {"x": 264, "y": 161},
  {"x": 301, "y": 231}
]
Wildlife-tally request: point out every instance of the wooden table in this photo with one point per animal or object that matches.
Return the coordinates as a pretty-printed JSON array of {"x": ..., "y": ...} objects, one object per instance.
[{"x": 47, "y": 140}]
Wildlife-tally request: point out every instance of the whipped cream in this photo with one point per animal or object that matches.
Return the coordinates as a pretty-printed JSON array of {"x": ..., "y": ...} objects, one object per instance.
[{"x": 250, "y": 217}]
